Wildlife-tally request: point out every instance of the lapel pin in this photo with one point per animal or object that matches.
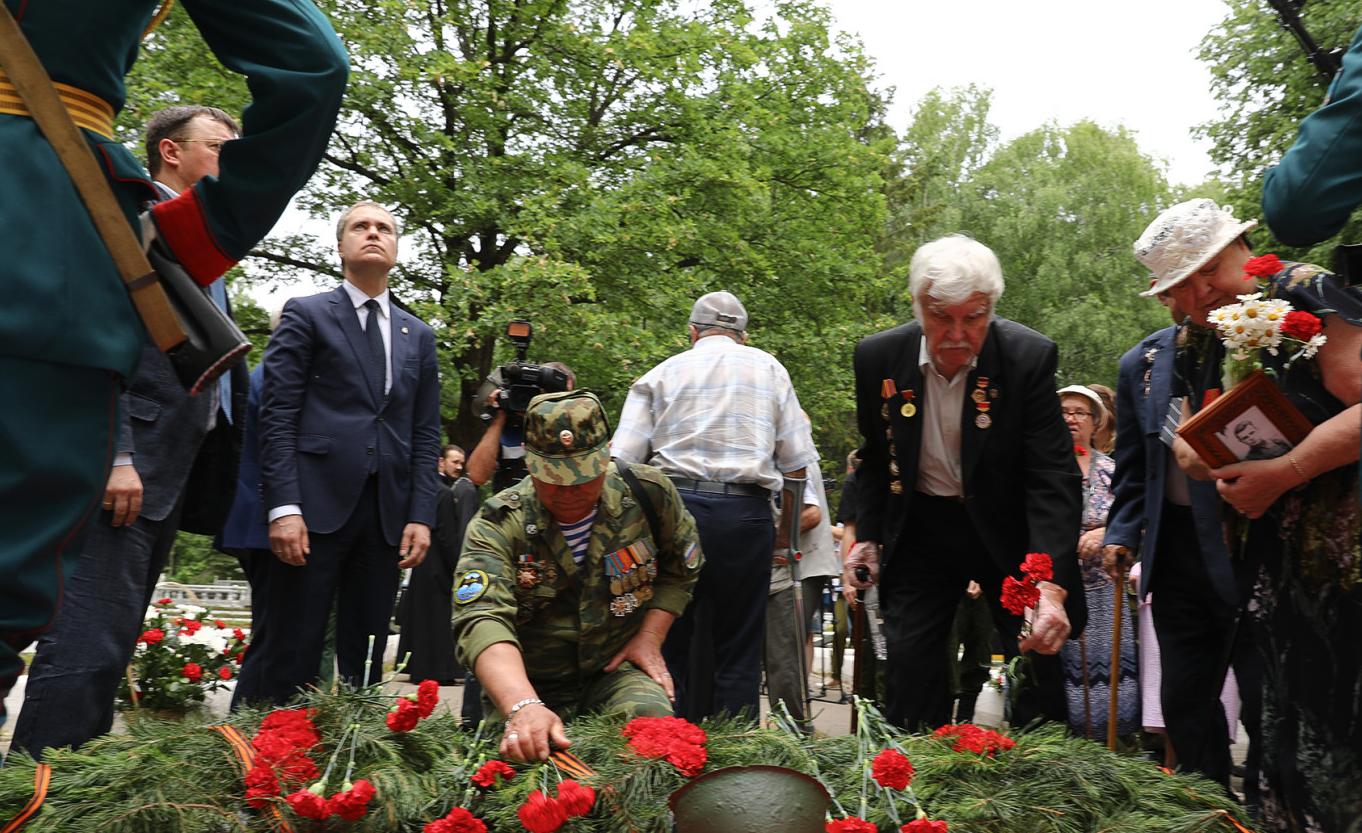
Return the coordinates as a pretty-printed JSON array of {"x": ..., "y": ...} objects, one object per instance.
[{"x": 404, "y": 331}]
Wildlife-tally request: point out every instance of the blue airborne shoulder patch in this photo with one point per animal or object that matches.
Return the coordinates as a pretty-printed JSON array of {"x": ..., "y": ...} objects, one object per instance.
[{"x": 472, "y": 585}]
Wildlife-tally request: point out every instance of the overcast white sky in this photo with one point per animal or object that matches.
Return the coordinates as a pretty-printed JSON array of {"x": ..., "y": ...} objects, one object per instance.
[{"x": 1112, "y": 61}]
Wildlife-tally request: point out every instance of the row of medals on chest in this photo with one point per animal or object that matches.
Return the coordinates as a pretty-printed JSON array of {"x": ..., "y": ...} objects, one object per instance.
[
  {"x": 980, "y": 396},
  {"x": 630, "y": 572}
]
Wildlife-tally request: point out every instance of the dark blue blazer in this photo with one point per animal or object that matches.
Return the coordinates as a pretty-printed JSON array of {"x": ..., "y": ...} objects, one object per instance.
[
  {"x": 245, "y": 528},
  {"x": 322, "y": 432},
  {"x": 1143, "y": 389}
]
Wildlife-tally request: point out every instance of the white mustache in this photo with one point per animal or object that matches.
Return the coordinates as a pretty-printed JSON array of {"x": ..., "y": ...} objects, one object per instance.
[{"x": 951, "y": 345}]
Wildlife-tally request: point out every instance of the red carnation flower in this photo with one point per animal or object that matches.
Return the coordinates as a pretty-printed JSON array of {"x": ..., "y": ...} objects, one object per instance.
[
  {"x": 219, "y": 624},
  {"x": 850, "y": 824},
  {"x": 191, "y": 625},
  {"x": 577, "y": 799},
  {"x": 151, "y": 637},
  {"x": 541, "y": 814},
  {"x": 292, "y": 727},
  {"x": 459, "y": 820},
  {"x": 239, "y": 634},
  {"x": 192, "y": 671},
  {"x": 1301, "y": 325},
  {"x": 404, "y": 716},
  {"x": 971, "y": 738},
  {"x": 1018, "y": 596},
  {"x": 297, "y": 768},
  {"x": 260, "y": 784},
  {"x": 427, "y": 697},
  {"x": 1080, "y": 451},
  {"x": 308, "y": 804},
  {"x": 924, "y": 826},
  {"x": 225, "y": 673},
  {"x": 165, "y": 601},
  {"x": 1037, "y": 566},
  {"x": 1263, "y": 266},
  {"x": 891, "y": 769},
  {"x": 352, "y": 804},
  {"x": 486, "y": 776}
]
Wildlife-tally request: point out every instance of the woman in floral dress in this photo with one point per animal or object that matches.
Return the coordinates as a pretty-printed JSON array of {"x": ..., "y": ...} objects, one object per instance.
[{"x": 1087, "y": 660}]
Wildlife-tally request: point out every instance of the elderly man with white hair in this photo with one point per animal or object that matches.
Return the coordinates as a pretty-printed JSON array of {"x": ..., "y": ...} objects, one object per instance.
[{"x": 968, "y": 467}]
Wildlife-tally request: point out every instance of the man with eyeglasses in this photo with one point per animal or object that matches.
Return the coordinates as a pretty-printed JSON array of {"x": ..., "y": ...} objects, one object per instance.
[{"x": 163, "y": 435}]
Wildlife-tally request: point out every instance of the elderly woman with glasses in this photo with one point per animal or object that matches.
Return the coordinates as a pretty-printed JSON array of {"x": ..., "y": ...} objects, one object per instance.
[{"x": 1087, "y": 660}]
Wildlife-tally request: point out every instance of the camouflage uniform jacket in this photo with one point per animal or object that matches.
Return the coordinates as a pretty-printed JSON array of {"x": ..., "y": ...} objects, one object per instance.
[{"x": 517, "y": 581}]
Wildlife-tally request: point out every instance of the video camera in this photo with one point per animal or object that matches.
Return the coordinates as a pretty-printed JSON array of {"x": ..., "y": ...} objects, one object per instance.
[{"x": 516, "y": 383}]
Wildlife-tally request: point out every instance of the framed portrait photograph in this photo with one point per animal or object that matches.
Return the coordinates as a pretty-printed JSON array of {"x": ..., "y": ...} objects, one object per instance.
[{"x": 1254, "y": 421}]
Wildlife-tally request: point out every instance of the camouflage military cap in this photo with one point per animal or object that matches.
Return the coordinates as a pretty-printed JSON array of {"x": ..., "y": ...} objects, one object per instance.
[{"x": 567, "y": 439}]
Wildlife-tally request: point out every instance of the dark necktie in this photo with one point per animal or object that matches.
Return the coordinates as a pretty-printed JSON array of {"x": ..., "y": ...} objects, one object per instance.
[{"x": 378, "y": 360}]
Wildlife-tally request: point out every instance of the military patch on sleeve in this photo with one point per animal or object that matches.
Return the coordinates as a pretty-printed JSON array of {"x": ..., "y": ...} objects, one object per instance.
[
  {"x": 472, "y": 585},
  {"x": 692, "y": 556}
]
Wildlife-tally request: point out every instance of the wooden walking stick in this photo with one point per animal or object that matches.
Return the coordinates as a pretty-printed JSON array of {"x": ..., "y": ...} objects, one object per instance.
[{"x": 1113, "y": 700}]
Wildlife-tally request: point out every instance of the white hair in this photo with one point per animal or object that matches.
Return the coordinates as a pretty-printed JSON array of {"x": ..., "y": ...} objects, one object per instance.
[{"x": 952, "y": 268}]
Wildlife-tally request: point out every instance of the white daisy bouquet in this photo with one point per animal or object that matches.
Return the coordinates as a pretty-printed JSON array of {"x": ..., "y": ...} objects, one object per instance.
[{"x": 1257, "y": 323}]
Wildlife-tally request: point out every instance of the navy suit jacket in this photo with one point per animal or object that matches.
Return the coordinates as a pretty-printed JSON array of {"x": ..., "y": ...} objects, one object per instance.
[
  {"x": 1023, "y": 489},
  {"x": 1143, "y": 389},
  {"x": 245, "y": 528},
  {"x": 321, "y": 430}
]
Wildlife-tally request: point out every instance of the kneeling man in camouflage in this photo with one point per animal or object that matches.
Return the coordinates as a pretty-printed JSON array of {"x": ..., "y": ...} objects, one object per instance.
[{"x": 570, "y": 580}]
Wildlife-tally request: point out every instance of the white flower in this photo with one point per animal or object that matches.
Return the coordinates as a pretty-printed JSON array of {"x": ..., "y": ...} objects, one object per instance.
[
  {"x": 209, "y": 637},
  {"x": 1312, "y": 346},
  {"x": 190, "y": 611}
]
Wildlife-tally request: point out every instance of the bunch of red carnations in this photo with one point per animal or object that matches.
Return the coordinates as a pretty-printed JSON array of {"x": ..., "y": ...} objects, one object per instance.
[
  {"x": 1020, "y": 595},
  {"x": 282, "y": 755},
  {"x": 411, "y": 709},
  {"x": 349, "y": 804},
  {"x": 674, "y": 739},
  {"x": 457, "y": 820},
  {"x": 892, "y": 770},
  {"x": 541, "y": 814},
  {"x": 970, "y": 738}
]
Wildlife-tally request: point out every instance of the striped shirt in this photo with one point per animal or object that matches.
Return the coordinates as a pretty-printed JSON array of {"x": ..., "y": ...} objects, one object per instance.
[
  {"x": 720, "y": 411},
  {"x": 578, "y": 536}
]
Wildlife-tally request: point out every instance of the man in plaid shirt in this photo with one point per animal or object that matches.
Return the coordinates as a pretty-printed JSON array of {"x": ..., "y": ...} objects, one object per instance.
[{"x": 723, "y": 422}]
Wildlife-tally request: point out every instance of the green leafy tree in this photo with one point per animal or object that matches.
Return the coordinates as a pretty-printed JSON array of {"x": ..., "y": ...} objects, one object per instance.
[
  {"x": 1061, "y": 207},
  {"x": 594, "y": 166},
  {"x": 1265, "y": 85}
]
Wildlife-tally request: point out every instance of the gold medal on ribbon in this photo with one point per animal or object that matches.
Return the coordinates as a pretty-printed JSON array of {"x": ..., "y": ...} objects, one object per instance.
[
  {"x": 908, "y": 410},
  {"x": 983, "y": 421}
]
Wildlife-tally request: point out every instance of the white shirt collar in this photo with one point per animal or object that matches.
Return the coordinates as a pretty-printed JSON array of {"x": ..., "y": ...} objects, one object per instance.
[
  {"x": 358, "y": 298},
  {"x": 924, "y": 362}
]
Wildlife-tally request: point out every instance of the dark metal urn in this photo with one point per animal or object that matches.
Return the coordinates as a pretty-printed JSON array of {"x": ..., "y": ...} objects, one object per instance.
[{"x": 750, "y": 799}]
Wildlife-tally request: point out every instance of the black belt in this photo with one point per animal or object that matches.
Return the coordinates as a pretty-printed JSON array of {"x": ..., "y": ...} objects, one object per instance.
[
  {"x": 923, "y": 496},
  {"x": 709, "y": 487}
]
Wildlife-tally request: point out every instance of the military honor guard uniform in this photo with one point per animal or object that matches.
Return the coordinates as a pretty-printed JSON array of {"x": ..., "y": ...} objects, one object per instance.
[{"x": 69, "y": 336}]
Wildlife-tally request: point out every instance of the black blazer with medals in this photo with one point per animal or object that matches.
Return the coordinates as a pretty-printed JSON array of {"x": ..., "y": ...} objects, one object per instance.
[{"x": 1023, "y": 488}]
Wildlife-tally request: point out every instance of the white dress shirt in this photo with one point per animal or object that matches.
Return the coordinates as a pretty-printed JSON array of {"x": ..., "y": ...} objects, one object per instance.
[{"x": 938, "y": 467}]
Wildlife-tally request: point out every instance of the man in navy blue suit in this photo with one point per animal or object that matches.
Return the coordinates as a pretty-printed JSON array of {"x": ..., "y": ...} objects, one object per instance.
[
  {"x": 349, "y": 439},
  {"x": 1173, "y": 522}
]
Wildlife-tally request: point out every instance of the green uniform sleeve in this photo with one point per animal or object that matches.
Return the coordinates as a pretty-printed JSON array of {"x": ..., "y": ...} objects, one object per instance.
[{"x": 484, "y": 595}]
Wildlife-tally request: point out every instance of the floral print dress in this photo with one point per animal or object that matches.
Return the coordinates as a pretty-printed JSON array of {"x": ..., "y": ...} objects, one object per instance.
[{"x": 1087, "y": 660}]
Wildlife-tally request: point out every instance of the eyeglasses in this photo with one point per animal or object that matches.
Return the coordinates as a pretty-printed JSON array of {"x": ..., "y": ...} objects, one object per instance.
[
  {"x": 1075, "y": 414},
  {"x": 214, "y": 146}
]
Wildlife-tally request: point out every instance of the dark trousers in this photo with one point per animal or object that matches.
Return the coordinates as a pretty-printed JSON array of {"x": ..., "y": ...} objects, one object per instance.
[
  {"x": 713, "y": 651},
  {"x": 56, "y": 440},
  {"x": 354, "y": 568},
  {"x": 920, "y": 589},
  {"x": 73, "y": 680},
  {"x": 1195, "y": 629}
]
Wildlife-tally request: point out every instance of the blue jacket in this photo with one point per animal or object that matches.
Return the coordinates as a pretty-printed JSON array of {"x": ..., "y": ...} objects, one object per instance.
[
  {"x": 245, "y": 528},
  {"x": 1143, "y": 388},
  {"x": 320, "y": 428}
]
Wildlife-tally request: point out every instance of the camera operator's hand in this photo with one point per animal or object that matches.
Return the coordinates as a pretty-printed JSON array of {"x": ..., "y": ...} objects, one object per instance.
[{"x": 482, "y": 463}]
